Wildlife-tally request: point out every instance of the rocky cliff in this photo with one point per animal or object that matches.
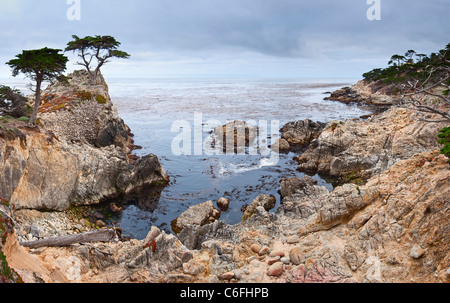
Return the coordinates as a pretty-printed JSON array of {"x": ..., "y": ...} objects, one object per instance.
[{"x": 80, "y": 153}]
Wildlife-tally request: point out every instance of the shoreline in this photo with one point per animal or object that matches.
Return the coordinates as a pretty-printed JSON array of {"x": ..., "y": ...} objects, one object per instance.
[{"x": 218, "y": 252}]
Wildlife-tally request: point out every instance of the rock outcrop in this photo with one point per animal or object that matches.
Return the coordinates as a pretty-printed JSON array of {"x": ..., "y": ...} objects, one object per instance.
[
  {"x": 363, "y": 93},
  {"x": 199, "y": 214},
  {"x": 70, "y": 160},
  {"x": 297, "y": 135},
  {"x": 354, "y": 149},
  {"x": 235, "y": 136}
]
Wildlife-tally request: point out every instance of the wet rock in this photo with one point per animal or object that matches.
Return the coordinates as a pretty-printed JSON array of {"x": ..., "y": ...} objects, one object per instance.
[
  {"x": 236, "y": 135},
  {"x": 290, "y": 186},
  {"x": 223, "y": 204},
  {"x": 281, "y": 146}
]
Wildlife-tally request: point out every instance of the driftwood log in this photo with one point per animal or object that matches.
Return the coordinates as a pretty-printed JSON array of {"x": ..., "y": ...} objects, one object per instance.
[{"x": 103, "y": 235}]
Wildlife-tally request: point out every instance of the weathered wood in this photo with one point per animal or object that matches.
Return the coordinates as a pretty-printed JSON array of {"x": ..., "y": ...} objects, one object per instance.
[{"x": 103, "y": 235}]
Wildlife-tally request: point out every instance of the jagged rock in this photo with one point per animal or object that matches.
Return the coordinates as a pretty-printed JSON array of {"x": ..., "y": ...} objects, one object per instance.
[
  {"x": 363, "y": 92},
  {"x": 300, "y": 133},
  {"x": 195, "y": 215},
  {"x": 353, "y": 150},
  {"x": 76, "y": 171},
  {"x": 238, "y": 134},
  {"x": 290, "y": 186},
  {"x": 266, "y": 201}
]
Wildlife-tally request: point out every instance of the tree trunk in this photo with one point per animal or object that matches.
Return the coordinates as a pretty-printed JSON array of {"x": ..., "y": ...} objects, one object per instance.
[
  {"x": 37, "y": 102},
  {"x": 93, "y": 78},
  {"x": 103, "y": 235}
]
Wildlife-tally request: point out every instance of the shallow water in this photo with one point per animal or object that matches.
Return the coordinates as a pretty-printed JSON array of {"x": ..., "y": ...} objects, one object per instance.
[{"x": 150, "y": 107}]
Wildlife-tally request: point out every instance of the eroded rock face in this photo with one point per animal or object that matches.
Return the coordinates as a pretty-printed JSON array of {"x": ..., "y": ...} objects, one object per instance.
[
  {"x": 300, "y": 133},
  {"x": 65, "y": 163},
  {"x": 361, "y": 149},
  {"x": 363, "y": 93}
]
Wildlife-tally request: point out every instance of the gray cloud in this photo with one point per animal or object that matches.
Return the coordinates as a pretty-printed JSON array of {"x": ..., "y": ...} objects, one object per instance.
[{"x": 323, "y": 31}]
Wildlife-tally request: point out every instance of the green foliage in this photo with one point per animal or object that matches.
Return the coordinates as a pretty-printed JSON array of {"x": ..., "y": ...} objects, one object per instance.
[
  {"x": 412, "y": 65},
  {"x": 101, "y": 99},
  {"x": 12, "y": 102},
  {"x": 85, "y": 95},
  {"x": 444, "y": 135},
  {"x": 100, "y": 48},
  {"x": 39, "y": 65}
]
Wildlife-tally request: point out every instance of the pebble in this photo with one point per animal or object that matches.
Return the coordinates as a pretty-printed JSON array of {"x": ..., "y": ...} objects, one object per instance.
[
  {"x": 275, "y": 269},
  {"x": 276, "y": 253},
  {"x": 255, "y": 248},
  {"x": 293, "y": 239},
  {"x": 227, "y": 276},
  {"x": 273, "y": 260},
  {"x": 417, "y": 252},
  {"x": 264, "y": 251},
  {"x": 296, "y": 256},
  {"x": 285, "y": 260}
]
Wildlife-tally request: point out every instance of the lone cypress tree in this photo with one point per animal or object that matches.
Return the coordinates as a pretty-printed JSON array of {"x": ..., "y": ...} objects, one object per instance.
[
  {"x": 99, "y": 47},
  {"x": 40, "y": 65}
]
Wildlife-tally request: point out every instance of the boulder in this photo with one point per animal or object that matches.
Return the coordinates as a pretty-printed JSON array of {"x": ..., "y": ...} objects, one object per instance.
[
  {"x": 223, "y": 204},
  {"x": 199, "y": 214},
  {"x": 299, "y": 134},
  {"x": 264, "y": 200},
  {"x": 238, "y": 134},
  {"x": 290, "y": 186}
]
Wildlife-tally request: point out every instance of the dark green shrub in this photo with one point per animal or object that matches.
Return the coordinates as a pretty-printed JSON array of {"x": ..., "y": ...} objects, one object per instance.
[
  {"x": 444, "y": 135},
  {"x": 101, "y": 99}
]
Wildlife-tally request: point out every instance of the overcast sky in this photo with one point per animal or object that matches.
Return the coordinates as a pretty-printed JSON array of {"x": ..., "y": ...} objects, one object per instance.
[{"x": 231, "y": 38}]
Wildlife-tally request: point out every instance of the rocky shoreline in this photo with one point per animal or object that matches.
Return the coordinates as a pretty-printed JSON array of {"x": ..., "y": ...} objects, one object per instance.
[{"x": 386, "y": 222}]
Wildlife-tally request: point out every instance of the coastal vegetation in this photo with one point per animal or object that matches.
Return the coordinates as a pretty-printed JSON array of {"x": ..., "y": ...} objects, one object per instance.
[
  {"x": 39, "y": 65},
  {"x": 414, "y": 76},
  {"x": 100, "y": 48}
]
